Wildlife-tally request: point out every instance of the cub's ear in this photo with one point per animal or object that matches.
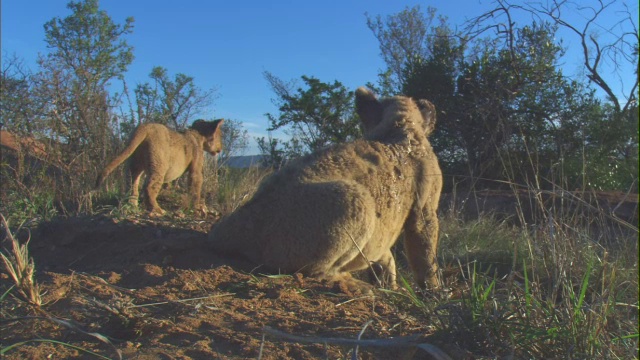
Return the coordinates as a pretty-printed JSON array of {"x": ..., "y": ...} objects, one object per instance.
[
  {"x": 215, "y": 127},
  {"x": 428, "y": 112},
  {"x": 368, "y": 108},
  {"x": 207, "y": 128},
  {"x": 200, "y": 126}
]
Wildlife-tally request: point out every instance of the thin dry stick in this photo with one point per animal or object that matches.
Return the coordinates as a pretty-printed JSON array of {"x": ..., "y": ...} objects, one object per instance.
[
  {"x": 365, "y": 258},
  {"x": 364, "y": 328},
  {"x": 181, "y": 300},
  {"x": 399, "y": 342},
  {"x": 404, "y": 341},
  {"x": 625, "y": 197},
  {"x": 355, "y": 299},
  {"x": 261, "y": 347},
  {"x": 104, "y": 282}
]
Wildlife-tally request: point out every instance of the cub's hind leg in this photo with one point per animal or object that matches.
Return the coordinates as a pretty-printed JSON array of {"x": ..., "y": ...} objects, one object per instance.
[
  {"x": 136, "y": 174},
  {"x": 152, "y": 189}
]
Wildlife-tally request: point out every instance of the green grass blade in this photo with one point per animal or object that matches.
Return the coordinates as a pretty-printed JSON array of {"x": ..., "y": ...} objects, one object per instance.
[
  {"x": 412, "y": 294},
  {"x": 583, "y": 288},
  {"x": 630, "y": 336},
  {"x": 527, "y": 293},
  {"x": 4, "y": 295},
  {"x": 485, "y": 295}
]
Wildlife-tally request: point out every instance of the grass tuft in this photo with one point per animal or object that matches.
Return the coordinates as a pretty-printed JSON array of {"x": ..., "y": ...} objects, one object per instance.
[
  {"x": 235, "y": 186},
  {"x": 21, "y": 268}
]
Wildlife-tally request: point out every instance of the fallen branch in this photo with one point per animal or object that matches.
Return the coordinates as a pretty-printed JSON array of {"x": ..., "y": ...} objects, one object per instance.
[{"x": 401, "y": 342}]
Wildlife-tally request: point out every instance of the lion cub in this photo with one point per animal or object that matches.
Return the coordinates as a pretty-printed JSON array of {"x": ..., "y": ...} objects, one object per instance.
[
  {"x": 165, "y": 155},
  {"x": 341, "y": 209}
]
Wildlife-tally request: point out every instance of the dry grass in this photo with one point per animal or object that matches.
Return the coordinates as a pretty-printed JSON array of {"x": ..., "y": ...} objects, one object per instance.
[
  {"x": 21, "y": 268},
  {"x": 235, "y": 186}
]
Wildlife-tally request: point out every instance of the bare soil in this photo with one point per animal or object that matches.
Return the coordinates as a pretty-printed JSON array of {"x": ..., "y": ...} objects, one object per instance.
[{"x": 154, "y": 290}]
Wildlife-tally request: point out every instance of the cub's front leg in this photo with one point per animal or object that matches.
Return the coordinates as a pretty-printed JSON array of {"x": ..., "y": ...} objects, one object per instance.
[
  {"x": 421, "y": 245},
  {"x": 196, "y": 179}
]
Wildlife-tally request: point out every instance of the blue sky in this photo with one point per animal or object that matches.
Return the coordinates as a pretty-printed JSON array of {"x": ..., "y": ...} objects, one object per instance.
[{"x": 227, "y": 45}]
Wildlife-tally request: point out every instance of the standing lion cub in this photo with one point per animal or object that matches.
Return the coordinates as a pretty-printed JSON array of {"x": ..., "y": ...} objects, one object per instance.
[
  {"x": 342, "y": 208},
  {"x": 165, "y": 155}
]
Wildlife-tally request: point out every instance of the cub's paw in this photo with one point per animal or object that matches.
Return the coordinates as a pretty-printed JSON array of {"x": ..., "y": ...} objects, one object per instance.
[
  {"x": 158, "y": 212},
  {"x": 350, "y": 286}
]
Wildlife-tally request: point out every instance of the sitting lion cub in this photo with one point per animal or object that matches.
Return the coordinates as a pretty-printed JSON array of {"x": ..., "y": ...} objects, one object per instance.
[
  {"x": 342, "y": 208},
  {"x": 165, "y": 155}
]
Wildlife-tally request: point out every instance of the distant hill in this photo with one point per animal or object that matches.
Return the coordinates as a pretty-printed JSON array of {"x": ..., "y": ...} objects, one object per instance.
[{"x": 242, "y": 162}]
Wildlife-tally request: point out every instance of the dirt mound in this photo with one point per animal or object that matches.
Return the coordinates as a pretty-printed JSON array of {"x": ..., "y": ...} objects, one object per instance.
[
  {"x": 157, "y": 292},
  {"x": 104, "y": 244}
]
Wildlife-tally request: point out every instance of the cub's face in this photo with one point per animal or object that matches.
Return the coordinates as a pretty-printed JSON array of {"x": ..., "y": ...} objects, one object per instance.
[
  {"x": 212, "y": 131},
  {"x": 213, "y": 145},
  {"x": 372, "y": 111}
]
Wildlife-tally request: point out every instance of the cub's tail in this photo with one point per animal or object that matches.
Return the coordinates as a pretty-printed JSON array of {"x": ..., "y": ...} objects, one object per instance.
[{"x": 138, "y": 137}]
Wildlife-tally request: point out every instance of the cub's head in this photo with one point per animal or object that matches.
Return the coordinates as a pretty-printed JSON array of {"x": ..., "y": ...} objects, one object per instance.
[
  {"x": 380, "y": 116},
  {"x": 212, "y": 131}
]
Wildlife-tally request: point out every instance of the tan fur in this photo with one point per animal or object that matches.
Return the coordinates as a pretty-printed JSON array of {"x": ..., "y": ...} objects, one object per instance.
[
  {"x": 25, "y": 144},
  {"x": 343, "y": 208},
  {"x": 26, "y": 157},
  {"x": 165, "y": 155}
]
